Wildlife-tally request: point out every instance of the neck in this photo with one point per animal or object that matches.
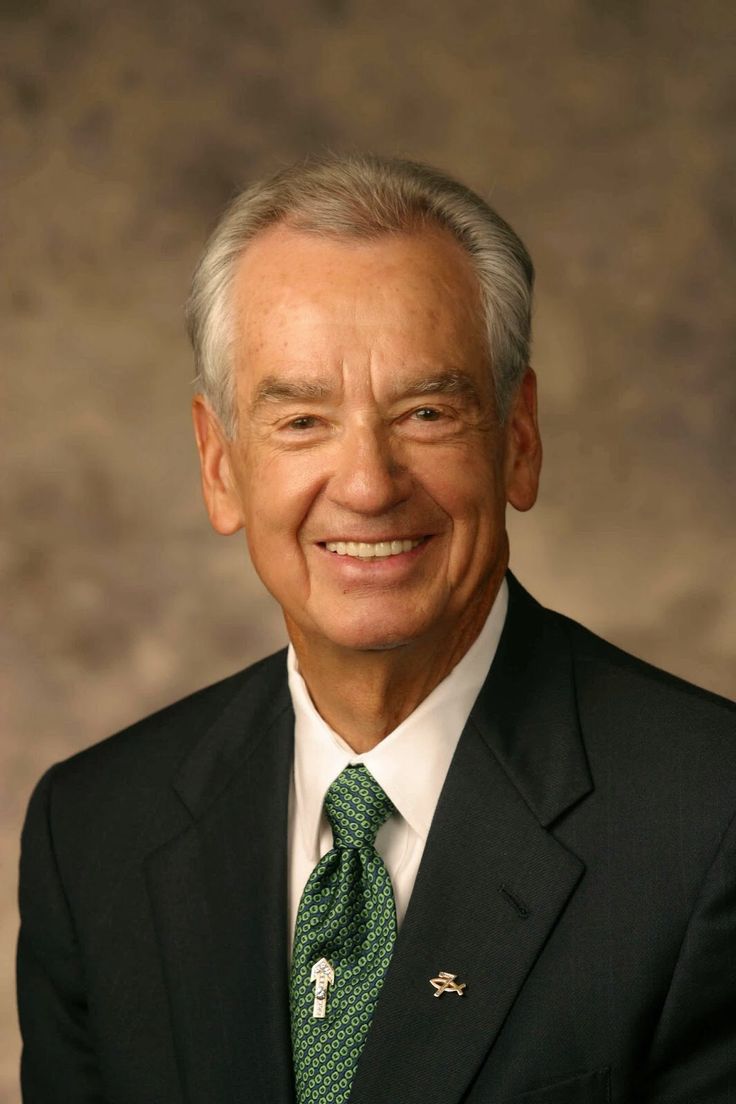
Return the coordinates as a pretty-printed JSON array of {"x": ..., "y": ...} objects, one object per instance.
[{"x": 365, "y": 695}]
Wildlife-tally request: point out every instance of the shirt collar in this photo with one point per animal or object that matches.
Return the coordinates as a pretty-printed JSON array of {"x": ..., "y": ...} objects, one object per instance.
[{"x": 411, "y": 763}]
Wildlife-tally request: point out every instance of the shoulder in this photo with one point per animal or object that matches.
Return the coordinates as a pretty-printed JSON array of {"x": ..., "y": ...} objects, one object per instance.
[
  {"x": 610, "y": 684},
  {"x": 654, "y": 741},
  {"x": 135, "y": 766},
  {"x": 624, "y": 684}
]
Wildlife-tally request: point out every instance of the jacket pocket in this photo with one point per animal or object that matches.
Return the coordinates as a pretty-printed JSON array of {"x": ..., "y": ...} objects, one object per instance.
[{"x": 588, "y": 1088}]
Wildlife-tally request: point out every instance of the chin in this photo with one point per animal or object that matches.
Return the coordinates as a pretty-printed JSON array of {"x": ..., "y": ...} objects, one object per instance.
[
  {"x": 373, "y": 638},
  {"x": 385, "y": 646}
]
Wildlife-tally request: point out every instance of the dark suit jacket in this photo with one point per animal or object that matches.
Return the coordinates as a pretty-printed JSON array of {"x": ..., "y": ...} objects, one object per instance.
[{"x": 579, "y": 877}]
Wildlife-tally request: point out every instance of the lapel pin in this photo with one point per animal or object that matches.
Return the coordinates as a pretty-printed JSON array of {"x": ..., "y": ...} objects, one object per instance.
[
  {"x": 445, "y": 983},
  {"x": 323, "y": 977}
]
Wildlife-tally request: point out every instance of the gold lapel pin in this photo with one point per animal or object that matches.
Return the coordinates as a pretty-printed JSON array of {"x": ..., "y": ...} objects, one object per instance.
[
  {"x": 445, "y": 983},
  {"x": 323, "y": 977}
]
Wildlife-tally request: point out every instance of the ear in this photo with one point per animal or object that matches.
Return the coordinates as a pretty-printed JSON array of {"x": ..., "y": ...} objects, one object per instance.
[
  {"x": 219, "y": 488},
  {"x": 523, "y": 454}
]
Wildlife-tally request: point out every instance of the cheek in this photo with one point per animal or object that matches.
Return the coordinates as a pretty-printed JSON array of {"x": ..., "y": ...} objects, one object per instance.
[
  {"x": 471, "y": 495},
  {"x": 465, "y": 486},
  {"x": 277, "y": 499}
]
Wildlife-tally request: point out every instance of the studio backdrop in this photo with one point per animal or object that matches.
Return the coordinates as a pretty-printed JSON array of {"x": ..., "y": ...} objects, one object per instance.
[{"x": 602, "y": 132}]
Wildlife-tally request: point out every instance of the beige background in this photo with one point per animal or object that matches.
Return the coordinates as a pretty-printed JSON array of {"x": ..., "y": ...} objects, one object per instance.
[{"x": 603, "y": 131}]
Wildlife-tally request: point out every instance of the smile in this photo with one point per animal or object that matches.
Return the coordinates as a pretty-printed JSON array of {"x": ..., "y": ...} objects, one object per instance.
[{"x": 379, "y": 550}]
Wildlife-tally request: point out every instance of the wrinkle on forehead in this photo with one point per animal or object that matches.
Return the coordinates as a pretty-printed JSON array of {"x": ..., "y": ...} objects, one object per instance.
[{"x": 304, "y": 302}]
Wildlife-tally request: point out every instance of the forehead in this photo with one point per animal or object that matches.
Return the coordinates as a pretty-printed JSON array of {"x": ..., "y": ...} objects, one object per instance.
[{"x": 298, "y": 294}]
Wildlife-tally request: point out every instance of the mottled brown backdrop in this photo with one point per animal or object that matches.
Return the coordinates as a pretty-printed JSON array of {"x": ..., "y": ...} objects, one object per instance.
[{"x": 604, "y": 132}]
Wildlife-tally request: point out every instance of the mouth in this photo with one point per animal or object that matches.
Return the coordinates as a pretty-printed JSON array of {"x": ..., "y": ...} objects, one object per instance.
[{"x": 373, "y": 550}]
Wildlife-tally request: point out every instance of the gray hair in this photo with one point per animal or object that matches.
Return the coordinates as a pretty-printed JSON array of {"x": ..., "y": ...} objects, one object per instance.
[{"x": 362, "y": 196}]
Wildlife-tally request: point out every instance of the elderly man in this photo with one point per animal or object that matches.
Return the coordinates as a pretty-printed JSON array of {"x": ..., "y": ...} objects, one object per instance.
[{"x": 451, "y": 846}]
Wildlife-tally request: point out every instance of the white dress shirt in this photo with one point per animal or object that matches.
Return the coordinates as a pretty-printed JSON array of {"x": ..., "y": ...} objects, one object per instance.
[{"x": 410, "y": 765}]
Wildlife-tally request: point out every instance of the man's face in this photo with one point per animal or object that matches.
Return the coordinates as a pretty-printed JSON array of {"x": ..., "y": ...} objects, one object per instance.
[{"x": 370, "y": 471}]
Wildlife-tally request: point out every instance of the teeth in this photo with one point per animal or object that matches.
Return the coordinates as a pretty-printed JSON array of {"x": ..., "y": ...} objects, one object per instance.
[{"x": 364, "y": 551}]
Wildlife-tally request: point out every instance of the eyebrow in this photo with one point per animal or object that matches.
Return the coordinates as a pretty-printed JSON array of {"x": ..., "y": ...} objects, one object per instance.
[
  {"x": 276, "y": 389},
  {"x": 445, "y": 383}
]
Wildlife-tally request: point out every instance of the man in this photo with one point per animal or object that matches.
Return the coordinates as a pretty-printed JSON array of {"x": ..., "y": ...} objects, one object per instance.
[{"x": 453, "y": 847}]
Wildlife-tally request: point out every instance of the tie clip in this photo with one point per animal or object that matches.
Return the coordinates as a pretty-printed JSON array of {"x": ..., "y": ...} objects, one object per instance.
[{"x": 323, "y": 977}]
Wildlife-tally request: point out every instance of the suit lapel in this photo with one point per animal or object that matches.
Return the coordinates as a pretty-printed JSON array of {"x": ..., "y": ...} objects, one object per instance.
[
  {"x": 491, "y": 886},
  {"x": 493, "y": 881},
  {"x": 218, "y": 892}
]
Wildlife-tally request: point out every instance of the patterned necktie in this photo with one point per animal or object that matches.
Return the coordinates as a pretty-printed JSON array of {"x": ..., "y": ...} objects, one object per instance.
[{"x": 347, "y": 917}]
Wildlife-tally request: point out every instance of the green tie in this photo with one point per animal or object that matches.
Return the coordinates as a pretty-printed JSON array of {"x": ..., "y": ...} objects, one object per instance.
[{"x": 346, "y": 916}]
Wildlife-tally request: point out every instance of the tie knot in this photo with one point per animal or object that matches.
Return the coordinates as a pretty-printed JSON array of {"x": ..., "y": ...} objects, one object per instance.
[{"x": 356, "y": 807}]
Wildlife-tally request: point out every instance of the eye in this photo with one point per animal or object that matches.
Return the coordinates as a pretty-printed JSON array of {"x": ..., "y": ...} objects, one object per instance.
[
  {"x": 430, "y": 423},
  {"x": 304, "y": 421}
]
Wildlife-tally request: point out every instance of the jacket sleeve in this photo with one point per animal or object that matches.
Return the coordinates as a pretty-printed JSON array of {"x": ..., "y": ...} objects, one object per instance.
[
  {"x": 58, "y": 1063},
  {"x": 693, "y": 1056}
]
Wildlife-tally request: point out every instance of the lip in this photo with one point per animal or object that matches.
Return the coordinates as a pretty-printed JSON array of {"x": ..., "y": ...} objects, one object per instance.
[
  {"x": 374, "y": 540},
  {"x": 393, "y": 566}
]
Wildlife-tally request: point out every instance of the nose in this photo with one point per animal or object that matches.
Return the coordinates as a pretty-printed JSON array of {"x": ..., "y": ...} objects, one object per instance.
[{"x": 368, "y": 477}]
